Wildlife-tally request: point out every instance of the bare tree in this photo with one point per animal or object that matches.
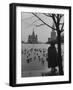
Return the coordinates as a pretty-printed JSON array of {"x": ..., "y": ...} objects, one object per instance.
[{"x": 59, "y": 28}]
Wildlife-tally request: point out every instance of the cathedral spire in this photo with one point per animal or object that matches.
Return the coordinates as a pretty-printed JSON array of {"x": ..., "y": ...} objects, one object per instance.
[
  {"x": 33, "y": 38},
  {"x": 33, "y": 32}
]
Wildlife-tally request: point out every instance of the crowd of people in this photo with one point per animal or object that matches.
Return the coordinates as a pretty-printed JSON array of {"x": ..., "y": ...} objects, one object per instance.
[
  {"x": 33, "y": 54},
  {"x": 42, "y": 55}
]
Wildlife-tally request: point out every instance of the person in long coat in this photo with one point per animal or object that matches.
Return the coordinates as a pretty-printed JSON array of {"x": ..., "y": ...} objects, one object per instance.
[{"x": 52, "y": 57}]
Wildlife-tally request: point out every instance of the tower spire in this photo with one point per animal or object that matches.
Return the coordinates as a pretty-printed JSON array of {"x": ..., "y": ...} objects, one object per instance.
[{"x": 33, "y": 32}]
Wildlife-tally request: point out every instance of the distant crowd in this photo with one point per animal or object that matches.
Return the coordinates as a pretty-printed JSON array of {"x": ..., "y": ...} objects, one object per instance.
[{"x": 34, "y": 54}]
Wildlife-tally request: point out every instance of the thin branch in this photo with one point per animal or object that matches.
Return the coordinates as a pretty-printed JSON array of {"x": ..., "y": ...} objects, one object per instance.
[
  {"x": 62, "y": 30},
  {"x": 49, "y": 15},
  {"x": 61, "y": 15},
  {"x": 35, "y": 21},
  {"x": 58, "y": 18},
  {"x": 40, "y": 25},
  {"x": 53, "y": 17},
  {"x": 43, "y": 21},
  {"x": 62, "y": 27}
]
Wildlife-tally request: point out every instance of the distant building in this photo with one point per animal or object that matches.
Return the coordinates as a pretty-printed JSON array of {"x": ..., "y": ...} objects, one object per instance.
[
  {"x": 53, "y": 35},
  {"x": 33, "y": 38},
  {"x": 49, "y": 39}
]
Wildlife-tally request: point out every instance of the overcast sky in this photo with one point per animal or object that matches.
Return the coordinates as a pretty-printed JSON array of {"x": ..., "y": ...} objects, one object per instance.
[{"x": 43, "y": 32}]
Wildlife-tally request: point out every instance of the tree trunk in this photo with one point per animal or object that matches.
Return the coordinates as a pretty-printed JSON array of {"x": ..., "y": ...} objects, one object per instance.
[{"x": 59, "y": 53}]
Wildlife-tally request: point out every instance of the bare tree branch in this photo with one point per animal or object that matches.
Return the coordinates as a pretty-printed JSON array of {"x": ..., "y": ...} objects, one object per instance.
[
  {"x": 35, "y": 21},
  {"x": 62, "y": 30},
  {"x": 48, "y": 15},
  {"x": 61, "y": 15},
  {"x": 62, "y": 27},
  {"x": 54, "y": 19},
  {"x": 40, "y": 25},
  {"x": 53, "y": 16},
  {"x": 44, "y": 22},
  {"x": 58, "y": 18}
]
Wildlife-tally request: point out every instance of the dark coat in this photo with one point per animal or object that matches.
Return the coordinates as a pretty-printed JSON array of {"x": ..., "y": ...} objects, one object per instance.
[{"x": 52, "y": 57}]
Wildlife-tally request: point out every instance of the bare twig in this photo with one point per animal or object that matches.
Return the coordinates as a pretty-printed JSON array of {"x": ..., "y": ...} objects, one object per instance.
[
  {"x": 48, "y": 15},
  {"x": 62, "y": 30},
  {"x": 54, "y": 19},
  {"x": 40, "y": 25},
  {"x": 35, "y": 21},
  {"x": 43, "y": 21},
  {"x": 62, "y": 27},
  {"x": 61, "y": 15}
]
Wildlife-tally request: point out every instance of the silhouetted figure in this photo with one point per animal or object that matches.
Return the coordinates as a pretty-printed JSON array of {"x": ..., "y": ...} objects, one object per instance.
[
  {"x": 52, "y": 57},
  {"x": 34, "y": 58},
  {"x": 28, "y": 61},
  {"x": 43, "y": 62}
]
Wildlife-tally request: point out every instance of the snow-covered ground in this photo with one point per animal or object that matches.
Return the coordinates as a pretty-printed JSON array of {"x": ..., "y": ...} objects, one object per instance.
[{"x": 34, "y": 61}]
